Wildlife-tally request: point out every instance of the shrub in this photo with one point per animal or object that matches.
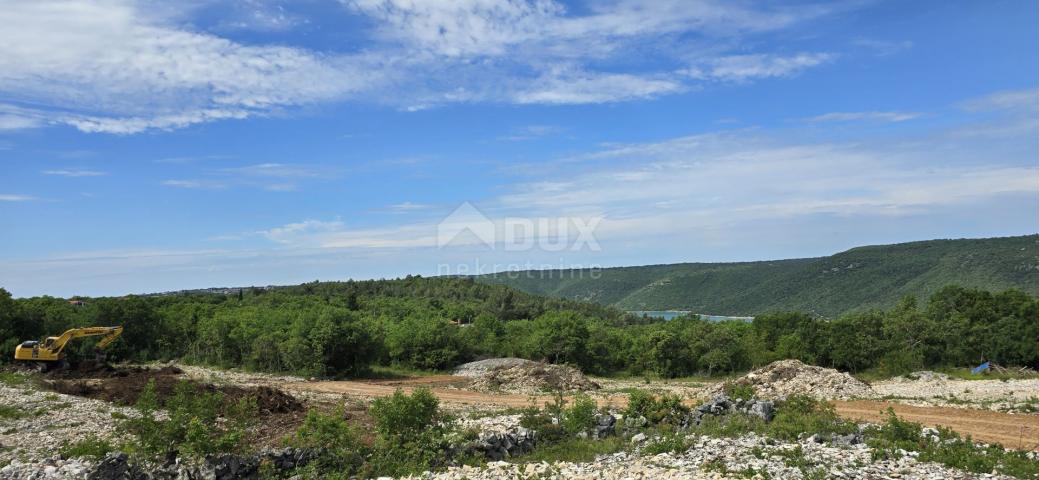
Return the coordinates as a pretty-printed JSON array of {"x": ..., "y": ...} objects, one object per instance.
[
  {"x": 540, "y": 421},
  {"x": 640, "y": 402},
  {"x": 580, "y": 416},
  {"x": 803, "y": 414},
  {"x": 667, "y": 408},
  {"x": 669, "y": 442},
  {"x": 191, "y": 426},
  {"x": 339, "y": 443},
  {"x": 739, "y": 391},
  {"x": 404, "y": 415}
]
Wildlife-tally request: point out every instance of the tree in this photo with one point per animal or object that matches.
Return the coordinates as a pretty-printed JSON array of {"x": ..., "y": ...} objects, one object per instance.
[{"x": 561, "y": 337}]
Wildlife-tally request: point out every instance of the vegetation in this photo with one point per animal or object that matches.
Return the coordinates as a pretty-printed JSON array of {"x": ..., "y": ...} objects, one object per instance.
[
  {"x": 412, "y": 436},
  {"x": 947, "y": 447},
  {"x": 189, "y": 426},
  {"x": 91, "y": 446},
  {"x": 344, "y": 328},
  {"x": 858, "y": 279}
]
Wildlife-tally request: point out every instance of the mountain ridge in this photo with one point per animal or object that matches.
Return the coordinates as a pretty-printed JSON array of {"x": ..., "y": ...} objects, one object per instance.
[{"x": 871, "y": 276}]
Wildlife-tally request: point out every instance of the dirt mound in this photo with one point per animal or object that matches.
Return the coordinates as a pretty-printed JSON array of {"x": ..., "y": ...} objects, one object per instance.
[
  {"x": 481, "y": 367},
  {"x": 524, "y": 376},
  {"x": 124, "y": 386},
  {"x": 781, "y": 379}
]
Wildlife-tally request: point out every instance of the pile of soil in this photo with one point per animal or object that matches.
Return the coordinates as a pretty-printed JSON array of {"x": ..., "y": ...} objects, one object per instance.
[
  {"x": 124, "y": 386},
  {"x": 516, "y": 375},
  {"x": 784, "y": 378}
]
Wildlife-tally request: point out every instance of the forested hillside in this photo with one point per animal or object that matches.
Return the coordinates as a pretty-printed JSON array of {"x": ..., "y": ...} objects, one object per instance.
[
  {"x": 343, "y": 328},
  {"x": 857, "y": 279}
]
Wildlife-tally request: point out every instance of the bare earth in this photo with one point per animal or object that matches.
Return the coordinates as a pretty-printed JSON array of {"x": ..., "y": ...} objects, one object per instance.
[{"x": 1012, "y": 430}]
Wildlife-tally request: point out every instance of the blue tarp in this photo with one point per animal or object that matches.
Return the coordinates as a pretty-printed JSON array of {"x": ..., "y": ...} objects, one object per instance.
[{"x": 980, "y": 368}]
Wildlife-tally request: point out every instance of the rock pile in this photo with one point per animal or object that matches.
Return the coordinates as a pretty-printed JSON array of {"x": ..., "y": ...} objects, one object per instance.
[
  {"x": 516, "y": 375},
  {"x": 47, "y": 469},
  {"x": 116, "y": 466},
  {"x": 500, "y": 445},
  {"x": 784, "y": 378},
  {"x": 723, "y": 405}
]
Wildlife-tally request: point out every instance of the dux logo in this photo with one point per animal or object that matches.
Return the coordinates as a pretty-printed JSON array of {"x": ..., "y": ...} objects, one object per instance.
[{"x": 467, "y": 225}]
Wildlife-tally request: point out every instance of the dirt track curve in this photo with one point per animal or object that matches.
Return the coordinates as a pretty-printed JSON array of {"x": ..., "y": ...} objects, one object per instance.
[{"x": 1019, "y": 431}]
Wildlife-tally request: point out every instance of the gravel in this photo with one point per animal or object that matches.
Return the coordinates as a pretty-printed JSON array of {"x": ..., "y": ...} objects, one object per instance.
[
  {"x": 1001, "y": 395},
  {"x": 707, "y": 457},
  {"x": 784, "y": 378},
  {"x": 515, "y": 375},
  {"x": 46, "y": 420}
]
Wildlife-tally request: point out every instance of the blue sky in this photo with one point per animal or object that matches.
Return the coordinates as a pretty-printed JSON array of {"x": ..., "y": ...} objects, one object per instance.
[{"x": 149, "y": 146}]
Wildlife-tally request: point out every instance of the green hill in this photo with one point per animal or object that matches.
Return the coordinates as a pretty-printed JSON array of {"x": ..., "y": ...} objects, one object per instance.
[{"x": 860, "y": 278}]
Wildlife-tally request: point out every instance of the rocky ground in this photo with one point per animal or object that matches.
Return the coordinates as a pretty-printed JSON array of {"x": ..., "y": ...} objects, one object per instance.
[
  {"x": 35, "y": 422},
  {"x": 930, "y": 389},
  {"x": 715, "y": 458},
  {"x": 38, "y": 422}
]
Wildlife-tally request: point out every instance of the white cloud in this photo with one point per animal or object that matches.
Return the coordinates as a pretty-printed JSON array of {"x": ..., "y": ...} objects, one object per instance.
[
  {"x": 738, "y": 68},
  {"x": 567, "y": 87},
  {"x": 123, "y": 67},
  {"x": 74, "y": 173},
  {"x": 110, "y": 66},
  {"x": 13, "y": 197},
  {"x": 868, "y": 116},
  {"x": 16, "y": 122},
  {"x": 292, "y": 232}
]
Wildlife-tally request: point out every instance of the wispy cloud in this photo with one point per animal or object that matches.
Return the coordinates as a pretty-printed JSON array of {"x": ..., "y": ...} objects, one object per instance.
[
  {"x": 75, "y": 173},
  {"x": 741, "y": 68},
  {"x": 277, "y": 170},
  {"x": 14, "y": 197},
  {"x": 531, "y": 132},
  {"x": 864, "y": 116},
  {"x": 1013, "y": 100},
  {"x": 115, "y": 66},
  {"x": 195, "y": 184},
  {"x": 408, "y": 207},
  {"x": 16, "y": 122}
]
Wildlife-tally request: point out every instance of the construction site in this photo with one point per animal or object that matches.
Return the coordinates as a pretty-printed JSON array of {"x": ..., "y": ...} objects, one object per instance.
[{"x": 47, "y": 410}]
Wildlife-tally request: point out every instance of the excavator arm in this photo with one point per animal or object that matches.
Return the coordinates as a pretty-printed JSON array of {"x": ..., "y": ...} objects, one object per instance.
[{"x": 110, "y": 334}]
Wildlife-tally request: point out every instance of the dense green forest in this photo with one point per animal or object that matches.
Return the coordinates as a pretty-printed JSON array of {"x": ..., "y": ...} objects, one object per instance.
[
  {"x": 342, "y": 328},
  {"x": 858, "y": 279}
]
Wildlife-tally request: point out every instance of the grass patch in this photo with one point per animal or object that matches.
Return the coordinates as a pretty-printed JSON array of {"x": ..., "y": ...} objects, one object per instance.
[
  {"x": 573, "y": 450},
  {"x": 91, "y": 446},
  {"x": 8, "y": 412},
  {"x": 397, "y": 372},
  {"x": 667, "y": 442},
  {"x": 13, "y": 379}
]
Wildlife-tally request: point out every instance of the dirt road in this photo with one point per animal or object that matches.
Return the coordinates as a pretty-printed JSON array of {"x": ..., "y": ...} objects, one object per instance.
[{"x": 1019, "y": 431}]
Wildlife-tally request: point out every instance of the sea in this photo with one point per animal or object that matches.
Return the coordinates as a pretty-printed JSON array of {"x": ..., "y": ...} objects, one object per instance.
[{"x": 672, "y": 314}]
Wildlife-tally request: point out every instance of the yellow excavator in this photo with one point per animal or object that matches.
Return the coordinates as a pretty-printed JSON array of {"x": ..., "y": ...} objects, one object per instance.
[{"x": 50, "y": 352}]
